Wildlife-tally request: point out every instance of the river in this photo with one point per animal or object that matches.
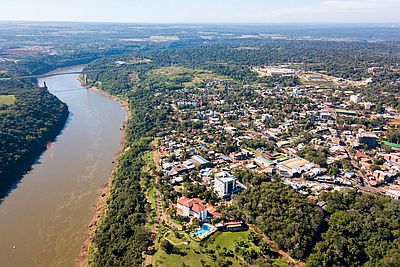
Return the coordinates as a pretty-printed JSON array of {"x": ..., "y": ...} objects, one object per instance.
[{"x": 43, "y": 220}]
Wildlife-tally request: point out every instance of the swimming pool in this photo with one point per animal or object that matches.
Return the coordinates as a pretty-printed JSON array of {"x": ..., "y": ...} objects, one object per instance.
[{"x": 203, "y": 231}]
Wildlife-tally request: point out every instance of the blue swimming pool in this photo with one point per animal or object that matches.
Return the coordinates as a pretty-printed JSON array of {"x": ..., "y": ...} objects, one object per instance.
[{"x": 203, "y": 231}]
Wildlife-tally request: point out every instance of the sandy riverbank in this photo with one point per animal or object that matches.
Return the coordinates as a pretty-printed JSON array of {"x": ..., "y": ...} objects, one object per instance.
[{"x": 104, "y": 192}]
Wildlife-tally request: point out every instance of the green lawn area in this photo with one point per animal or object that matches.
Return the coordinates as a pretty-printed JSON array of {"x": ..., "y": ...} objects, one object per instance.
[
  {"x": 190, "y": 78},
  {"x": 209, "y": 250},
  {"x": 7, "y": 100},
  {"x": 148, "y": 157},
  {"x": 151, "y": 197},
  {"x": 147, "y": 184}
]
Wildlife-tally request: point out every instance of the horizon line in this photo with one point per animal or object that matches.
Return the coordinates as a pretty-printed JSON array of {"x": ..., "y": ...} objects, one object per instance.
[{"x": 325, "y": 23}]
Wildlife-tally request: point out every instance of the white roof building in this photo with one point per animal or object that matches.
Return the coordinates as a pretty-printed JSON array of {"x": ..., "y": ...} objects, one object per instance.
[{"x": 224, "y": 183}]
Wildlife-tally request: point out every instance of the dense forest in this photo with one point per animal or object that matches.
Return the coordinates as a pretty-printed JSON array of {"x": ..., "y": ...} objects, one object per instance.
[
  {"x": 363, "y": 231},
  {"x": 121, "y": 236},
  {"x": 285, "y": 215},
  {"x": 28, "y": 122},
  {"x": 234, "y": 57},
  {"x": 352, "y": 230}
]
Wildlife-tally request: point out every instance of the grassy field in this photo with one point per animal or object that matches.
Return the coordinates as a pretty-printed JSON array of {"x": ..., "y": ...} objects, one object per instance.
[
  {"x": 190, "y": 78},
  {"x": 7, "y": 100},
  {"x": 147, "y": 185},
  {"x": 324, "y": 81},
  {"x": 208, "y": 252}
]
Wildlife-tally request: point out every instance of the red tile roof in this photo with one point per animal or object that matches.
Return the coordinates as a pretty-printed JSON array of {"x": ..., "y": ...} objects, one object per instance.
[
  {"x": 192, "y": 203},
  {"x": 184, "y": 201},
  {"x": 213, "y": 211},
  {"x": 197, "y": 207},
  {"x": 360, "y": 154}
]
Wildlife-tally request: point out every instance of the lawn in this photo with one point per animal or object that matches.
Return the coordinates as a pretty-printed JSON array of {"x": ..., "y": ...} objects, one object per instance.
[
  {"x": 324, "y": 81},
  {"x": 189, "y": 78},
  {"x": 7, "y": 100},
  {"x": 150, "y": 166},
  {"x": 204, "y": 253},
  {"x": 151, "y": 198},
  {"x": 147, "y": 185}
]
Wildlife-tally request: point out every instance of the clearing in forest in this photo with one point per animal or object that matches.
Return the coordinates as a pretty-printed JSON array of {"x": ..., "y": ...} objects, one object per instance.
[{"x": 7, "y": 100}]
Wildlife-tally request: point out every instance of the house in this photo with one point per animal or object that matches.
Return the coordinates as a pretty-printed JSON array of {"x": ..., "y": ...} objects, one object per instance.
[
  {"x": 287, "y": 172},
  {"x": 283, "y": 144},
  {"x": 213, "y": 211},
  {"x": 244, "y": 154},
  {"x": 224, "y": 183},
  {"x": 225, "y": 158},
  {"x": 192, "y": 207},
  {"x": 232, "y": 226},
  {"x": 178, "y": 169},
  {"x": 394, "y": 157},
  {"x": 325, "y": 116},
  {"x": 231, "y": 130},
  {"x": 392, "y": 191},
  {"x": 262, "y": 161},
  {"x": 189, "y": 165},
  {"x": 356, "y": 98}
]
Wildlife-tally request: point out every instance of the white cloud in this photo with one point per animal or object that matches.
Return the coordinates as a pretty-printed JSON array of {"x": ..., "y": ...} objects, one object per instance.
[
  {"x": 360, "y": 4},
  {"x": 342, "y": 11}
]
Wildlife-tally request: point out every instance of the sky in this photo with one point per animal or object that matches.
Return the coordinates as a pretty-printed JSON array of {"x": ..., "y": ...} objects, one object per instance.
[{"x": 203, "y": 11}]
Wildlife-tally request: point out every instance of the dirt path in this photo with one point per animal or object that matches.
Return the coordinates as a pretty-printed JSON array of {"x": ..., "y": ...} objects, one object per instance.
[{"x": 273, "y": 245}]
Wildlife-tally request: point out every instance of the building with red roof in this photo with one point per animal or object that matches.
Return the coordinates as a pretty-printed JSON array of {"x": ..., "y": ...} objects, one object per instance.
[{"x": 192, "y": 207}]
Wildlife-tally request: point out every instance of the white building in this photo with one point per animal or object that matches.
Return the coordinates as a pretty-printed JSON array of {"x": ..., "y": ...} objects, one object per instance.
[
  {"x": 192, "y": 207},
  {"x": 356, "y": 98},
  {"x": 224, "y": 183}
]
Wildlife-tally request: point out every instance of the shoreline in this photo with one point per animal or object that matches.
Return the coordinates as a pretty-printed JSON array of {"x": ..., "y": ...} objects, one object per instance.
[{"x": 104, "y": 191}]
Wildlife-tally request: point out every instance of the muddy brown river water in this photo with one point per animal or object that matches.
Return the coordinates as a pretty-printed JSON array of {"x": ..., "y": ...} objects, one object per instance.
[{"x": 43, "y": 220}]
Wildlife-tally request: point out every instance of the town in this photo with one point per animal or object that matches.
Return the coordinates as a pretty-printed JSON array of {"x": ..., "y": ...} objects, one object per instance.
[
  {"x": 199, "y": 145},
  {"x": 307, "y": 135}
]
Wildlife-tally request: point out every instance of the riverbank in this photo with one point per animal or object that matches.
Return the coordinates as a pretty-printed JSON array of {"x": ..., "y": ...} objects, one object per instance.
[{"x": 104, "y": 193}]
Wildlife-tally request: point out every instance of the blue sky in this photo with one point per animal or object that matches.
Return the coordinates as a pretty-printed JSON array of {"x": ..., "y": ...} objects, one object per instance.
[{"x": 204, "y": 11}]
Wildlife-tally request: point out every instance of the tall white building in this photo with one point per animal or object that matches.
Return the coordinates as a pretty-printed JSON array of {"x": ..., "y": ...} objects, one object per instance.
[{"x": 224, "y": 183}]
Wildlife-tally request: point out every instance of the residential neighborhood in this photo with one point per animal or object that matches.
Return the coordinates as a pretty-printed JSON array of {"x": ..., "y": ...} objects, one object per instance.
[{"x": 311, "y": 138}]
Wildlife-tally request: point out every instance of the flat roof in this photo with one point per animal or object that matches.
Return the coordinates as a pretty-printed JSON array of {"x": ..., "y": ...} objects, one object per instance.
[
  {"x": 295, "y": 163},
  {"x": 200, "y": 159},
  {"x": 225, "y": 177}
]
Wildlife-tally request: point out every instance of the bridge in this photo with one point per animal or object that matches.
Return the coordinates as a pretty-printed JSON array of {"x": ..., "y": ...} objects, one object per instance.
[
  {"x": 69, "y": 90},
  {"x": 52, "y": 74}
]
